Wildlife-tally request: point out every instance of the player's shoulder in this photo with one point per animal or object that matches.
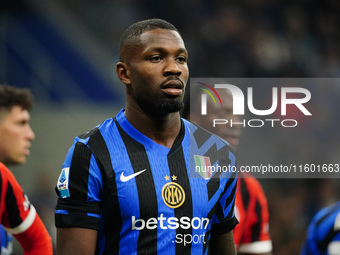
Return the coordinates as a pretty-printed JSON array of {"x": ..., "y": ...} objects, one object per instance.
[
  {"x": 8, "y": 179},
  {"x": 200, "y": 132},
  {"x": 5, "y": 172},
  {"x": 3, "y": 167},
  {"x": 326, "y": 212},
  {"x": 101, "y": 129},
  {"x": 250, "y": 180}
]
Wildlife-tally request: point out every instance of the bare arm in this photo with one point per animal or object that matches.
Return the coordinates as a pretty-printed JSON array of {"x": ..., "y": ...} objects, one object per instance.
[
  {"x": 222, "y": 244},
  {"x": 76, "y": 241}
]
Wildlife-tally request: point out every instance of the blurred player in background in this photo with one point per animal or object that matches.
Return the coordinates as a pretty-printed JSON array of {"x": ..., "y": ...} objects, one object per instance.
[
  {"x": 17, "y": 214},
  {"x": 125, "y": 186},
  {"x": 323, "y": 235},
  {"x": 251, "y": 235}
]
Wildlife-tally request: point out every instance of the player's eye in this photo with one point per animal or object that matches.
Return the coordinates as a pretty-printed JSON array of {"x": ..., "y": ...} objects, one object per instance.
[
  {"x": 22, "y": 122},
  {"x": 181, "y": 59},
  {"x": 155, "y": 59}
]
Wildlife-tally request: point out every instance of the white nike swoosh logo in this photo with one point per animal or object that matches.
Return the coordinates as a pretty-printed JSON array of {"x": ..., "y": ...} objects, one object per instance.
[{"x": 129, "y": 177}]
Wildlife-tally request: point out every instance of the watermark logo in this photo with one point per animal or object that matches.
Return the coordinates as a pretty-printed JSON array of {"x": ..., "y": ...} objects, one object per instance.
[
  {"x": 204, "y": 97},
  {"x": 280, "y": 97},
  {"x": 238, "y": 99}
]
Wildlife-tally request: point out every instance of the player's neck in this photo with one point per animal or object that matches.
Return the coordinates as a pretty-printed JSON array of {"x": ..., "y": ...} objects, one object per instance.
[{"x": 162, "y": 130}]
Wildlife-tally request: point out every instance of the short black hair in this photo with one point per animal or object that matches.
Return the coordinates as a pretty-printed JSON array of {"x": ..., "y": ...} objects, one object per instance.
[
  {"x": 11, "y": 96},
  {"x": 130, "y": 35}
]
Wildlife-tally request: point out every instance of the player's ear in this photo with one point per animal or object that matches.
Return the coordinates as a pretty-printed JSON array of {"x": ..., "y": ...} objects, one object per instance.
[{"x": 123, "y": 73}]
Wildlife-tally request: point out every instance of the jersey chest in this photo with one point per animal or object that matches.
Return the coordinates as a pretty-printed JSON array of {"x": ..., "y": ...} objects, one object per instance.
[{"x": 155, "y": 183}]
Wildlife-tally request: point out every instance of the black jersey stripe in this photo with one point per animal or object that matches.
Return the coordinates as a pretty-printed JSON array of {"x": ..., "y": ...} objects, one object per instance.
[
  {"x": 244, "y": 193},
  {"x": 201, "y": 136},
  {"x": 78, "y": 187},
  {"x": 323, "y": 244},
  {"x": 112, "y": 220},
  {"x": 178, "y": 141},
  {"x": 308, "y": 251},
  {"x": 331, "y": 211},
  {"x": 147, "y": 240},
  {"x": 229, "y": 199},
  {"x": 233, "y": 192},
  {"x": 176, "y": 164},
  {"x": 221, "y": 216},
  {"x": 223, "y": 160},
  {"x": 80, "y": 172},
  {"x": 255, "y": 236},
  {"x": 206, "y": 242},
  {"x": 12, "y": 206},
  {"x": 222, "y": 155}
]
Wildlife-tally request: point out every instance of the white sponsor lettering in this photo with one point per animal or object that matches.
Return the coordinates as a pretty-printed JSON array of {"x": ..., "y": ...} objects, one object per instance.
[{"x": 169, "y": 223}]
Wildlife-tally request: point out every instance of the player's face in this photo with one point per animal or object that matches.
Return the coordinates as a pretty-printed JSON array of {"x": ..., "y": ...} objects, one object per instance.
[
  {"x": 230, "y": 134},
  {"x": 159, "y": 71},
  {"x": 15, "y": 136}
]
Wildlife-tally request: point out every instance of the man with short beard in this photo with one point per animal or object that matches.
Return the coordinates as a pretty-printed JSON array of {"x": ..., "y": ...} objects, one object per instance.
[{"x": 126, "y": 186}]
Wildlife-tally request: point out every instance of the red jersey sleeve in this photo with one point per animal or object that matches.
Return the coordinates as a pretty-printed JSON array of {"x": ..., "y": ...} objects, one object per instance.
[
  {"x": 252, "y": 233},
  {"x": 18, "y": 216}
]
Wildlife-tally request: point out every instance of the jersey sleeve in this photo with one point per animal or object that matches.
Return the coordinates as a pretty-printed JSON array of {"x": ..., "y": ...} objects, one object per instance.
[
  {"x": 224, "y": 219},
  {"x": 18, "y": 217},
  {"x": 17, "y": 213},
  {"x": 79, "y": 189},
  {"x": 255, "y": 231},
  {"x": 35, "y": 240}
]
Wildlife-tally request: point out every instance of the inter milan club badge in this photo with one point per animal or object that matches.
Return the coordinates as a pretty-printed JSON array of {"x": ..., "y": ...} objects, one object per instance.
[{"x": 172, "y": 193}]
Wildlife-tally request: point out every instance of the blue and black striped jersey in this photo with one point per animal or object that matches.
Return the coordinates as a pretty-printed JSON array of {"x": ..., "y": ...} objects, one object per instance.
[
  {"x": 144, "y": 198},
  {"x": 323, "y": 237}
]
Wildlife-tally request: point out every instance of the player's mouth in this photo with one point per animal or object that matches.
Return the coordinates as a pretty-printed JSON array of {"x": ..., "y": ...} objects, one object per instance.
[
  {"x": 173, "y": 87},
  {"x": 27, "y": 150}
]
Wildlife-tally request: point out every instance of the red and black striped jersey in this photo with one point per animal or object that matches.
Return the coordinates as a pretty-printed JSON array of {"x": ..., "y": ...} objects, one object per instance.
[
  {"x": 18, "y": 217},
  {"x": 17, "y": 213},
  {"x": 251, "y": 235}
]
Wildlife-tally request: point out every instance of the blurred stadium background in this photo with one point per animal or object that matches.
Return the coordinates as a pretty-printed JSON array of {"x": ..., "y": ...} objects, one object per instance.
[{"x": 65, "y": 51}]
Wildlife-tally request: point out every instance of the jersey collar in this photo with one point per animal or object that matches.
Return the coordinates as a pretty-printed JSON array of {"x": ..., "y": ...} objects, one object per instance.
[{"x": 146, "y": 141}]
